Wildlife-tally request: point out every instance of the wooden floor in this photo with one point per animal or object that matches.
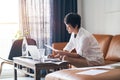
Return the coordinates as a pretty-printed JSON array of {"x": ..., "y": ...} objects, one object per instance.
[
  {"x": 8, "y": 73},
  {"x": 21, "y": 78}
]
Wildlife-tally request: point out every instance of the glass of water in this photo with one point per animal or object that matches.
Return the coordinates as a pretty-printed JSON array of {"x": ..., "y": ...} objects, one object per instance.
[{"x": 42, "y": 54}]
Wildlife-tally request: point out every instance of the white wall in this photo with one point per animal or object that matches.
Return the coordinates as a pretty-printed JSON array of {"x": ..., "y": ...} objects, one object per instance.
[
  {"x": 100, "y": 16},
  {"x": 79, "y": 4}
]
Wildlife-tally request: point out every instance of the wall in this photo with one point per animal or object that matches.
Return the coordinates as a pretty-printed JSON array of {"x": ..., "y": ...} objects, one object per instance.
[
  {"x": 79, "y": 4},
  {"x": 100, "y": 16}
]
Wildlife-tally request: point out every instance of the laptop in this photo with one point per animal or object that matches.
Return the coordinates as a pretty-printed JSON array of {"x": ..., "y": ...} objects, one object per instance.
[
  {"x": 38, "y": 54},
  {"x": 34, "y": 52}
]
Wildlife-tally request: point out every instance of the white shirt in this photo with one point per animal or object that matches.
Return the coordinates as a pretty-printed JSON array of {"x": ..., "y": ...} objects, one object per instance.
[{"x": 86, "y": 46}]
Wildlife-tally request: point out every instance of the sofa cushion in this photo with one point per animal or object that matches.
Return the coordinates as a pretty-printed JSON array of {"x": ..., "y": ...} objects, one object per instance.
[
  {"x": 104, "y": 41},
  {"x": 114, "y": 49}
]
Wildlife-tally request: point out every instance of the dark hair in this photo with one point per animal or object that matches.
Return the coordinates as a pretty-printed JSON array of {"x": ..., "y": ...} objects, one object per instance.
[{"x": 73, "y": 19}]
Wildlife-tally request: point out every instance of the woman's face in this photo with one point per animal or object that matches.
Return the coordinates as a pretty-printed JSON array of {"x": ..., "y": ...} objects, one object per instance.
[{"x": 69, "y": 28}]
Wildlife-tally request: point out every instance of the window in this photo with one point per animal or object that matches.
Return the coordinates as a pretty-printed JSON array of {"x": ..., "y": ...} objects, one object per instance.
[
  {"x": 9, "y": 24},
  {"x": 36, "y": 20}
]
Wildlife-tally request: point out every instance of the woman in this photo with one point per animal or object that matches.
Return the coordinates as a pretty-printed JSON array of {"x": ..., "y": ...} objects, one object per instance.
[{"x": 88, "y": 52}]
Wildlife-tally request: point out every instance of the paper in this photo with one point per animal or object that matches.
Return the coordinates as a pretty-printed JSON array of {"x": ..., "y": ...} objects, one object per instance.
[
  {"x": 51, "y": 47},
  {"x": 93, "y": 72},
  {"x": 53, "y": 59}
]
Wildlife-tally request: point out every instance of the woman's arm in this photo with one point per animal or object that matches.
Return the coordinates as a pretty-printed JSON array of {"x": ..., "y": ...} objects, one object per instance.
[{"x": 69, "y": 54}]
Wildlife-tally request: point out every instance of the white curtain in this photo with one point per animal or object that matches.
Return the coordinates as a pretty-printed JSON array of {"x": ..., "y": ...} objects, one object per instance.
[{"x": 35, "y": 20}]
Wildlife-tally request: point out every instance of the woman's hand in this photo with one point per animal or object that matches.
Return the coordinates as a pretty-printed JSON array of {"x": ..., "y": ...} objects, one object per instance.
[
  {"x": 61, "y": 52},
  {"x": 50, "y": 56},
  {"x": 53, "y": 56}
]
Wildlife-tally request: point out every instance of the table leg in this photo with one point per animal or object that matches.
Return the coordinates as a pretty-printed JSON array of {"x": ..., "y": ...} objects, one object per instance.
[
  {"x": 37, "y": 74},
  {"x": 15, "y": 74}
]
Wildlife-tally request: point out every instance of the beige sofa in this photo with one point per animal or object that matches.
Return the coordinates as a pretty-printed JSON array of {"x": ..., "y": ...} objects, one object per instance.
[{"x": 110, "y": 45}]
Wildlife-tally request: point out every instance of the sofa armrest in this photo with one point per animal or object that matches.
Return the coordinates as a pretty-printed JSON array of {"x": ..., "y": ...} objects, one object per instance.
[{"x": 70, "y": 74}]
